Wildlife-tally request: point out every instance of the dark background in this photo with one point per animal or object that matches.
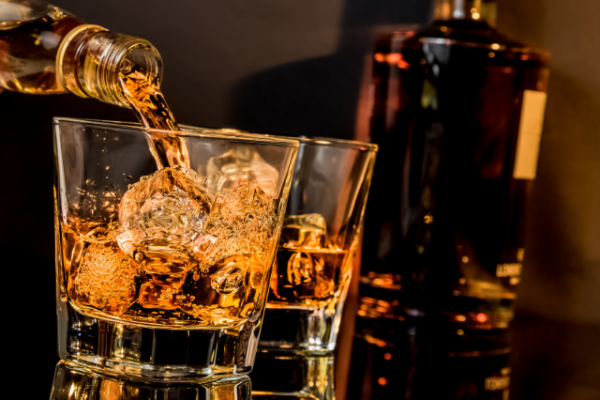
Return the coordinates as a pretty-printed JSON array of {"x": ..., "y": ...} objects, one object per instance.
[{"x": 298, "y": 67}]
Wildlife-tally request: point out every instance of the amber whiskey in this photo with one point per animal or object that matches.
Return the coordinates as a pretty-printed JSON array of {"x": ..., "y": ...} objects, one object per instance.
[
  {"x": 310, "y": 270},
  {"x": 306, "y": 277},
  {"x": 172, "y": 274}
]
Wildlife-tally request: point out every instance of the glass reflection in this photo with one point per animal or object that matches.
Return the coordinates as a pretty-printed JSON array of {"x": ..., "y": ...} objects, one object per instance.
[
  {"x": 431, "y": 360},
  {"x": 73, "y": 381},
  {"x": 279, "y": 375}
]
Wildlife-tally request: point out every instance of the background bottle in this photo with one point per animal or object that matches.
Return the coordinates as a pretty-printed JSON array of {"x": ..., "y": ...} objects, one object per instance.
[{"x": 457, "y": 113}]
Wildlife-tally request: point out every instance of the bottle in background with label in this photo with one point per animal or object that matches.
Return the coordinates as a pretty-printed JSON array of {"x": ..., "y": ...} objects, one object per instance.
[{"x": 457, "y": 112}]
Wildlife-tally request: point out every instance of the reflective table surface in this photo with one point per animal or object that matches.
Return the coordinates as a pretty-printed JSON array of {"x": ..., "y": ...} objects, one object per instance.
[
  {"x": 534, "y": 359},
  {"x": 543, "y": 360}
]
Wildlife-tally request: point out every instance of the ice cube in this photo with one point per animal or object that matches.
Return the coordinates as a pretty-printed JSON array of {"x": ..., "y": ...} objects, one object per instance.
[
  {"x": 161, "y": 291},
  {"x": 242, "y": 221},
  {"x": 77, "y": 254},
  {"x": 303, "y": 267},
  {"x": 103, "y": 233},
  {"x": 103, "y": 277},
  {"x": 306, "y": 275},
  {"x": 228, "y": 280},
  {"x": 256, "y": 274},
  {"x": 307, "y": 230},
  {"x": 159, "y": 295},
  {"x": 231, "y": 273},
  {"x": 162, "y": 217},
  {"x": 230, "y": 284},
  {"x": 241, "y": 165},
  {"x": 161, "y": 257}
]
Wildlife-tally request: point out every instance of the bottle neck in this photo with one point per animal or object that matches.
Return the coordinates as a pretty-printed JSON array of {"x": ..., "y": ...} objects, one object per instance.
[
  {"x": 91, "y": 61},
  {"x": 483, "y": 11}
]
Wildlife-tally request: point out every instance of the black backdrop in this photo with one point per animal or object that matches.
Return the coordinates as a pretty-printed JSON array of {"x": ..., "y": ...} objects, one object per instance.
[{"x": 296, "y": 67}]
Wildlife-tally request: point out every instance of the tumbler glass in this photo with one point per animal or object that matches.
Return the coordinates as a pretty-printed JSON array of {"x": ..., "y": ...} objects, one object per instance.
[
  {"x": 164, "y": 274},
  {"x": 320, "y": 235}
]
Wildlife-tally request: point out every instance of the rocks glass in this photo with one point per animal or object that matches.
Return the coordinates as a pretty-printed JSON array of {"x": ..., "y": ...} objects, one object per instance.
[
  {"x": 163, "y": 274},
  {"x": 320, "y": 235}
]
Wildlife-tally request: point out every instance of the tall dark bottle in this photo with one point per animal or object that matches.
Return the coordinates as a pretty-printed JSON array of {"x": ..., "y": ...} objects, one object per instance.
[{"x": 458, "y": 111}]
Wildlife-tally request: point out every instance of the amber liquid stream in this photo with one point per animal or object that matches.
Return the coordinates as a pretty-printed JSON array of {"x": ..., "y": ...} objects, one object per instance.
[{"x": 112, "y": 268}]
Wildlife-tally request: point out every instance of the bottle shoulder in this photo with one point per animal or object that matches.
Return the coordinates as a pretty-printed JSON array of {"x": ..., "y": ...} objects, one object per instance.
[{"x": 470, "y": 34}]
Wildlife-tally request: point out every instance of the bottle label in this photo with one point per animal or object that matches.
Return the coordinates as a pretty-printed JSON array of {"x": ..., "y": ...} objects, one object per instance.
[
  {"x": 502, "y": 382},
  {"x": 494, "y": 383},
  {"x": 508, "y": 270},
  {"x": 530, "y": 134}
]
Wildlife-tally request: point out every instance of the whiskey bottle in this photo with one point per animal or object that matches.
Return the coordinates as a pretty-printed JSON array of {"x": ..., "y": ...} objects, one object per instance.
[
  {"x": 46, "y": 50},
  {"x": 457, "y": 112}
]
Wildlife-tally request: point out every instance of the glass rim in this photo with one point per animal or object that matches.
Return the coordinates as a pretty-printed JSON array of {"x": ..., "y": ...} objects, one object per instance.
[
  {"x": 318, "y": 140},
  {"x": 228, "y": 132},
  {"x": 326, "y": 141},
  {"x": 248, "y": 137}
]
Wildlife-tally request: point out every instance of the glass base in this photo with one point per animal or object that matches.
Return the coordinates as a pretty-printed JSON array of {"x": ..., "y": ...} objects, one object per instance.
[
  {"x": 77, "y": 381},
  {"x": 300, "y": 330},
  {"x": 291, "y": 376},
  {"x": 141, "y": 353}
]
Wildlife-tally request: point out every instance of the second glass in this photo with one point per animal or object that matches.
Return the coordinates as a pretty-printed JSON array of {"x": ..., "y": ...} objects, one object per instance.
[{"x": 320, "y": 236}]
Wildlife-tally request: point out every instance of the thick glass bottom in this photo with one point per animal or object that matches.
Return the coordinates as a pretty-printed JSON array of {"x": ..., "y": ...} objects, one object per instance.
[
  {"x": 280, "y": 375},
  {"x": 301, "y": 330},
  {"x": 77, "y": 381},
  {"x": 142, "y": 353}
]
